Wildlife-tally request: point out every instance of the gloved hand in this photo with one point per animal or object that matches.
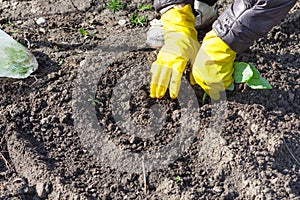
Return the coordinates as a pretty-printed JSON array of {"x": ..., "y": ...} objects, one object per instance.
[
  {"x": 213, "y": 66},
  {"x": 181, "y": 45}
]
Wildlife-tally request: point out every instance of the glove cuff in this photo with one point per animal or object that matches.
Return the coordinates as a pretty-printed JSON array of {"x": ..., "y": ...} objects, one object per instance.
[{"x": 180, "y": 19}]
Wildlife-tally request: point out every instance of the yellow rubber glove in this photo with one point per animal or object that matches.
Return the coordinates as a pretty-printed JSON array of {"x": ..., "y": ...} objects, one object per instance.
[
  {"x": 213, "y": 66},
  {"x": 181, "y": 45}
]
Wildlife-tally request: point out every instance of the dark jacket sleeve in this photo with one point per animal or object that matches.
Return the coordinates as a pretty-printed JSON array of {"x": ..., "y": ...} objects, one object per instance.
[
  {"x": 160, "y": 4},
  {"x": 247, "y": 20}
]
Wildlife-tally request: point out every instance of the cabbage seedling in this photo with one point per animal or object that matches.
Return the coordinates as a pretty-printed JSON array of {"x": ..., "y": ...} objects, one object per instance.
[{"x": 247, "y": 73}]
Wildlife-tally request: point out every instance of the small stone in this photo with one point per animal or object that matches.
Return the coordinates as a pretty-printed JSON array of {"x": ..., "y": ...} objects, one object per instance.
[
  {"x": 218, "y": 189},
  {"x": 42, "y": 30},
  {"x": 14, "y": 4},
  {"x": 176, "y": 115},
  {"x": 52, "y": 75},
  {"x": 43, "y": 188},
  {"x": 132, "y": 139},
  {"x": 254, "y": 128},
  {"x": 40, "y": 190},
  {"x": 122, "y": 22},
  {"x": 82, "y": 5},
  {"x": 50, "y": 88},
  {"x": 43, "y": 129},
  {"x": 19, "y": 22},
  {"x": 45, "y": 120},
  {"x": 41, "y": 21}
]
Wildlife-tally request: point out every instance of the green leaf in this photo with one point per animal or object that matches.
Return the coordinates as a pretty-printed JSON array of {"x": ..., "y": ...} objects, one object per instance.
[
  {"x": 259, "y": 83},
  {"x": 177, "y": 178},
  {"x": 256, "y": 73},
  {"x": 115, "y": 5},
  {"x": 83, "y": 32},
  {"x": 94, "y": 101},
  {"x": 86, "y": 34},
  {"x": 242, "y": 72},
  {"x": 144, "y": 7},
  {"x": 247, "y": 73},
  {"x": 138, "y": 20}
]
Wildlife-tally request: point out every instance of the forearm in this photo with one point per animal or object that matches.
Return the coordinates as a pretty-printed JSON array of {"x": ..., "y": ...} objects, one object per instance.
[{"x": 245, "y": 21}]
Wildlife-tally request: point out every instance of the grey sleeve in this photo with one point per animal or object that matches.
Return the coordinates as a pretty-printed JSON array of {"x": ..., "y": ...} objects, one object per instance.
[
  {"x": 247, "y": 20},
  {"x": 160, "y": 4}
]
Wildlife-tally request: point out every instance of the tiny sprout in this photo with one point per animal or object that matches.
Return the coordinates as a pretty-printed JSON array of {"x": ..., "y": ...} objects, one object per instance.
[
  {"x": 138, "y": 20},
  {"x": 177, "y": 179},
  {"x": 115, "y": 5},
  {"x": 86, "y": 34},
  {"x": 94, "y": 101},
  {"x": 144, "y": 7}
]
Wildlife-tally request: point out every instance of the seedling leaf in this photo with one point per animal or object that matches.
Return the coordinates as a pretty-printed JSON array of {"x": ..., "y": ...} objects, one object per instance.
[
  {"x": 256, "y": 73},
  {"x": 94, "y": 101},
  {"x": 138, "y": 20},
  {"x": 247, "y": 73},
  {"x": 115, "y": 5},
  {"x": 177, "y": 179},
  {"x": 242, "y": 72},
  {"x": 83, "y": 32},
  {"x": 86, "y": 34},
  {"x": 259, "y": 83}
]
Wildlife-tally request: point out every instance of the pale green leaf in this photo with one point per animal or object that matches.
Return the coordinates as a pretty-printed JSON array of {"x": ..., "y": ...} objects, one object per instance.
[
  {"x": 242, "y": 72},
  {"x": 259, "y": 83},
  {"x": 256, "y": 73}
]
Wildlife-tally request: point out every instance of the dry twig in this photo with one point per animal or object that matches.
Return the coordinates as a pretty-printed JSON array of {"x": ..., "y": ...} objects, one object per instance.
[
  {"x": 5, "y": 161},
  {"x": 289, "y": 150},
  {"x": 145, "y": 180}
]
